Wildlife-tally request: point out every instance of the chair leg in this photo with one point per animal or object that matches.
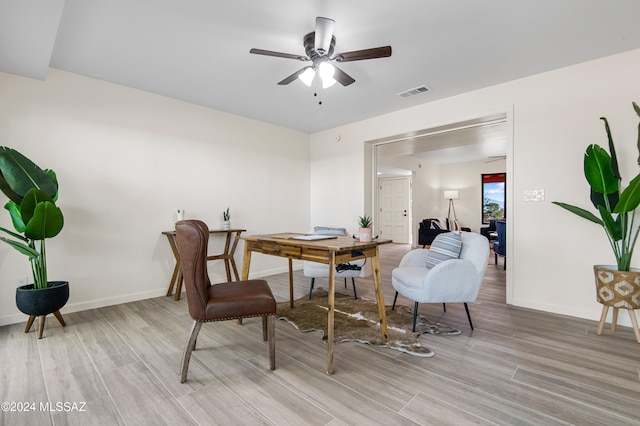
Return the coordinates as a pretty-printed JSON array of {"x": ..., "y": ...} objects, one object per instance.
[
  {"x": 265, "y": 332},
  {"x": 466, "y": 308},
  {"x": 353, "y": 282},
  {"x": 496, "y": 258},
  {"x": 191, "y": 343},
  {"x": 504, "y": 268},
  {"x": 415, "y": 316},
  {"x": 444, "y": 307},
  {"x": 271, "y": 333},
  {"x": 313, "y": 280},
  {"x": 345, "y": 283},
  {"x": 394, "y": 301}
]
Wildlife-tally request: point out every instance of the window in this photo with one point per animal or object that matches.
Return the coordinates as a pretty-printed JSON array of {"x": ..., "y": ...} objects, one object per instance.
[{"x": 494, "y": 196}]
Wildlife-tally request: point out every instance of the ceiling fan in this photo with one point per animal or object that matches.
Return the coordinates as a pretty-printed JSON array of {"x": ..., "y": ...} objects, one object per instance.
[{"x": 319, "y": 46}]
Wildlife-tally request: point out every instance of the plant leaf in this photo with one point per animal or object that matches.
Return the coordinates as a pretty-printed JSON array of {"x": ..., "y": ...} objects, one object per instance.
[
  {"x": 597, "y": 170},
  {"x": 53, "y": 176},
  {"x": 586, "y": 214},
  {"x": 30, "y": 201},
  {"x": 637, "y": 110},
  {"x": 22, "y": 174},
  {"x": 598, "y": 199},
  {"x": 630, "y": 197},
  {"x": 610, "y": 224},
  {"x": 612, "y": 150},
  {"x": 6, "y": 189},
  {"x": 22, "y": 248},
  {"x": 47, "y": 221},
  {"x": 14, "y": 235},
  {"x": 16, "y": 215}
]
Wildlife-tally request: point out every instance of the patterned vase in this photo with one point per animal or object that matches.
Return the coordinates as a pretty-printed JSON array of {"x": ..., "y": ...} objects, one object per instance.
[{"x": 620, "y": 289}]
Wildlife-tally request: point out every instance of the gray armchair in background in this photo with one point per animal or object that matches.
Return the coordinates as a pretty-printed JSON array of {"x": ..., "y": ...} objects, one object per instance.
[{"x": 451, "y": 281}]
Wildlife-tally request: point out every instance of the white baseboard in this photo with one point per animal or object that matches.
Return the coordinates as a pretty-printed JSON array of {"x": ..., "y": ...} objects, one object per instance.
[
  {"x": 92, "y": 304},
  {"x": 594, "y": 315}
]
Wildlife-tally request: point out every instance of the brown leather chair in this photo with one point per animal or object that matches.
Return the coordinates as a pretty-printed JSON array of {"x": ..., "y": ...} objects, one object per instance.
[{"x": 218, "y": 302}]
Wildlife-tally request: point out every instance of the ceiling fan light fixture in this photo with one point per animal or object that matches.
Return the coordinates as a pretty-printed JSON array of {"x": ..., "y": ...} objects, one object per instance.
[
  {"x": 307, "y": 76},
  {"x": 328, "y": 82},
  {"x": 326, "y": 71}
]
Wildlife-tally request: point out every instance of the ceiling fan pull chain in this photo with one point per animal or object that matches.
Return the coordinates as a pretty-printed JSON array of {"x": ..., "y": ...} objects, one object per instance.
[{"x": 318, "y": 89}]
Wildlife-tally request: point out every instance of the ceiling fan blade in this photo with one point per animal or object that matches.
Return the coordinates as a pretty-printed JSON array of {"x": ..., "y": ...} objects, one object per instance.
[
  {"x": 293, "y": 76},
  {"x": 342, "y": 77},
  {"x": 359, "y": 55},
  {"x": 278, "y": 54},
  {"x": 324, "y": 32}
]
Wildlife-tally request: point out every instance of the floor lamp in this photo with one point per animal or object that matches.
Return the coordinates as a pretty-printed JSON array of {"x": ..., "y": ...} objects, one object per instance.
[{"x": 451, "y": 195}]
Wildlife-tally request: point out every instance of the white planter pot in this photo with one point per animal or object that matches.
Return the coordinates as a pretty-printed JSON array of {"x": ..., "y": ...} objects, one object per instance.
[{"x": 365, "y": 235}]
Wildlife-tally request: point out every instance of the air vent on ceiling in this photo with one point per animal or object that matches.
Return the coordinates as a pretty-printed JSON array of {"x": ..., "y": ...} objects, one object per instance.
[{"x": 414, "y": 91}]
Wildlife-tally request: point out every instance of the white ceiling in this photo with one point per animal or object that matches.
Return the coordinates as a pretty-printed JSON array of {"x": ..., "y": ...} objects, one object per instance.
[{"x": 198, "y": 50}]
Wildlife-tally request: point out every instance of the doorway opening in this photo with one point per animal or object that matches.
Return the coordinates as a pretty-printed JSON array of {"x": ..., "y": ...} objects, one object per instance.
[{"x": 436, "y": 159}]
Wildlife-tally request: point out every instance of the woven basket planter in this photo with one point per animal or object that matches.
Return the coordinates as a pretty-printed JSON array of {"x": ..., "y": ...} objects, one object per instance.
[{"x": 620, "y": 289}]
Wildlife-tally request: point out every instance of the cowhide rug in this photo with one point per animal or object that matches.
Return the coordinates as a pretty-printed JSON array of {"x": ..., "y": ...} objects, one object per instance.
[{"x": 356, "y": 320}]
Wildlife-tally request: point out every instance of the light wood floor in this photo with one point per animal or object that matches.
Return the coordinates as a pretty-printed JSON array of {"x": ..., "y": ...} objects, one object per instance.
[{"x": 518, "y": 367}]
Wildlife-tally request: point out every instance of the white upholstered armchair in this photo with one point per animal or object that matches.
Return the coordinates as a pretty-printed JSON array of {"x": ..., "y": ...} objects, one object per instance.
[
  {"x": 450, "y": 281},
  {"x": 351, "y": 270}
]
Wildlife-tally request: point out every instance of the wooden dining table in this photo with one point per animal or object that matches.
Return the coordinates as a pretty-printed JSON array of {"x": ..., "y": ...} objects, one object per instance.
[{"x": 331, "y": 251}]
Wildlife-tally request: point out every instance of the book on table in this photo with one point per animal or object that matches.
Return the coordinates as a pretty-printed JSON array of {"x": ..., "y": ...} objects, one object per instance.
[{"x": 313, "y": 237}]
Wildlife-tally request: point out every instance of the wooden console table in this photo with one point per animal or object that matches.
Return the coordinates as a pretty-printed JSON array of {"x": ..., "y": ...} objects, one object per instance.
[
  {"x": 333, "y": 252},
  {"x": 226, "y": 256}
]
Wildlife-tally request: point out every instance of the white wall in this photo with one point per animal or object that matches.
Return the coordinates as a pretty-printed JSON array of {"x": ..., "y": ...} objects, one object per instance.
[
  {"x": 126, "y": 160},
  {"x": 554, "y": 115}
]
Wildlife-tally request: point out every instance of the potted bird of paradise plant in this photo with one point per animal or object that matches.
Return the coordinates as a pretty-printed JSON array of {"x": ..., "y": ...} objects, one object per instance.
[
  {"x": 617, "y": 286},
  {"x": 32, "y": 194}
]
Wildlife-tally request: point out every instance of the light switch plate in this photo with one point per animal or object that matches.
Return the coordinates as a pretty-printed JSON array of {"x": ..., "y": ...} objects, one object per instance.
[{"x": 534, "y": 195}]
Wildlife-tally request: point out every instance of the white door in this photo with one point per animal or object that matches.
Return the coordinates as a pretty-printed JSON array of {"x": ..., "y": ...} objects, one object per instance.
[{"x": 395, "y": 208}]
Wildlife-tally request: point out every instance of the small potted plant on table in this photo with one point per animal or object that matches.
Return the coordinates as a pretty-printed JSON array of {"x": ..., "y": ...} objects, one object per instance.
[
  {"x": 365, "y": 229},
  {"x": 226, "y": 216}
]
